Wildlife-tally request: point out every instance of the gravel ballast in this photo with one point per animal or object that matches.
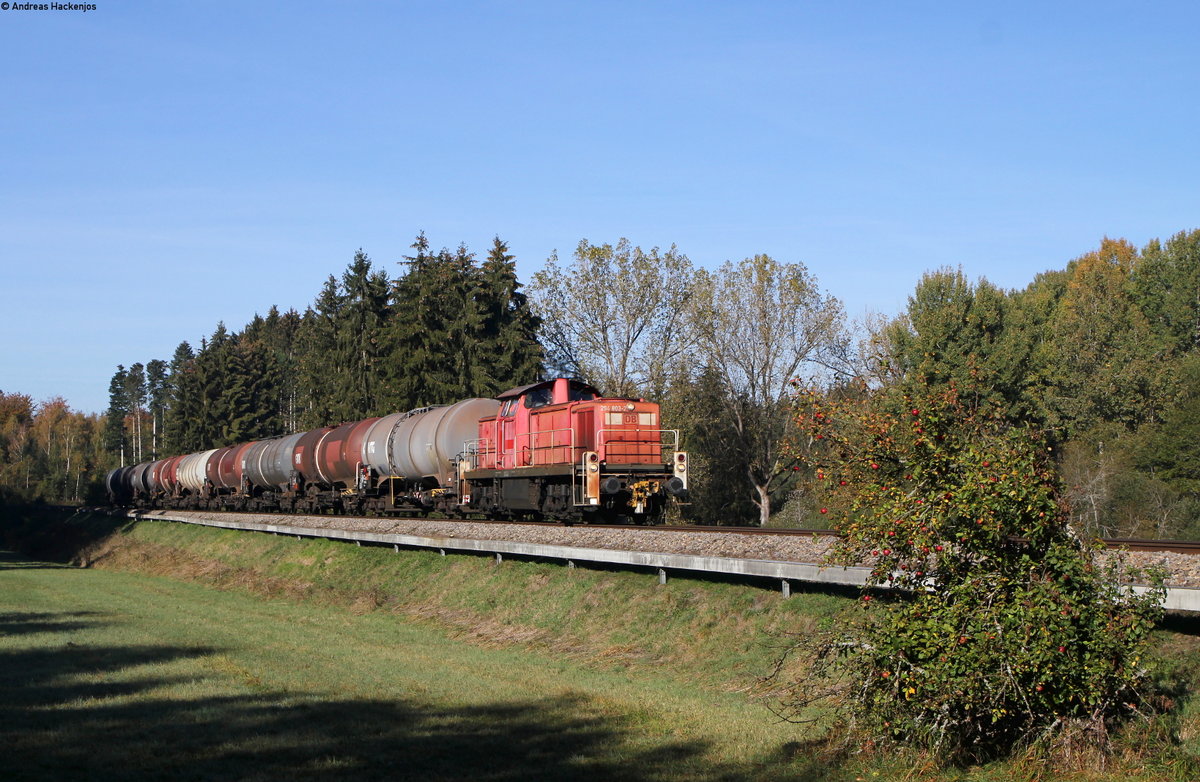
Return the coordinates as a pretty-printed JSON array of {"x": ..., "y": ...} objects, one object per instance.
[{"x": 1183, "y": 569}]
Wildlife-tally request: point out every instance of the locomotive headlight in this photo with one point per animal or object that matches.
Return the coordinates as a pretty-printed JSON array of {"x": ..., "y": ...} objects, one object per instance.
[{"x": 629, "y": 406}]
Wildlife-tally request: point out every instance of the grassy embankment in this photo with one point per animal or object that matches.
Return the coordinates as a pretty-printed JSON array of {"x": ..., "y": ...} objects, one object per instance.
[{"x": 318, "y": 659}]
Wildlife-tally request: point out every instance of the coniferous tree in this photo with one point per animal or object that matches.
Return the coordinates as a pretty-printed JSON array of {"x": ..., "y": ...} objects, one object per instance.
[
  {"x": 180, "y": 430},
  {"x": 115, "y": 437},
  {"x": 247, "y": 401},
  {"x": 509, "y": 352},
  {"x": 318, "y": 337},
  {"x": 358, "y": 329},
  {"x": 276, "y": 337},
  {"x": 135, "y": 394},
  {"x": 280, "y": 338},
  {"x": 156, "y": 397},
  {"x": 428, "y": 342}
]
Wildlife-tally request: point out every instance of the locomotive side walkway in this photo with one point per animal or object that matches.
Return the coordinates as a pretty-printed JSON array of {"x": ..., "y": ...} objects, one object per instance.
[{"x": 785, "y": 559}]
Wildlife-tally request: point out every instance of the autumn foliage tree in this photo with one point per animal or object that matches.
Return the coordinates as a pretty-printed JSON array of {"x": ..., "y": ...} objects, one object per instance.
[{"x": 986, "y": 624}]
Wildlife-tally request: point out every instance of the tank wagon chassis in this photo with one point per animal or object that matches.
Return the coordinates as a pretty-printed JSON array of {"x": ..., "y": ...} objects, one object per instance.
[{"x": 553, "y": 450}]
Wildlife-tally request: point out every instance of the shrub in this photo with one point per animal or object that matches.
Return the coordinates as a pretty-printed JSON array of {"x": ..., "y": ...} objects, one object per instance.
[{"x": 988, "y": 624}]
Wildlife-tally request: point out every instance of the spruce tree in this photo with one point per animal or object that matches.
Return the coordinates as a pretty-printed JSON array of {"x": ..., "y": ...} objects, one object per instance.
[
  {"x": 156, "y": 397},
  {"x": 115, "y": 439},
  {"x": 135, "y": 395},
  {"x": 357, "y": 330},
  {"x": 317, "y": 357},
  {"x": 183, "y": 403},
  {"x": 428, "y": 354},
  {"x": 508, "y": 349}
]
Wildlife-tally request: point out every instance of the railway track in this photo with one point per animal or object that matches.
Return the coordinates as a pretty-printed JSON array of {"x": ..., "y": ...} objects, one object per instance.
[{"x": 1129, "y": 544}]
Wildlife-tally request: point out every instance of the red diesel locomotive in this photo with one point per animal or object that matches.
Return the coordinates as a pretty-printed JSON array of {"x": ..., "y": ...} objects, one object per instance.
[{"x": 554, "y": 449}]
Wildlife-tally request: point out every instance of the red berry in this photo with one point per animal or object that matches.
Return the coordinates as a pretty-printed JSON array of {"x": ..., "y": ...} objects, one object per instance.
[{"x": 824, "y": 510}]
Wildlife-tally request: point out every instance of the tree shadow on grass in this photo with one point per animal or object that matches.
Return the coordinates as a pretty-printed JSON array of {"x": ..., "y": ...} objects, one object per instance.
[
  {"x": 11, "y": 561},
  {"x": 82, "y": 712},
  {"x": 60, "y": 622}
]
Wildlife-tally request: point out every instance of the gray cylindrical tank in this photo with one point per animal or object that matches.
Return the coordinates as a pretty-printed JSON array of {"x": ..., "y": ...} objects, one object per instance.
[
  {"x": 193, "y": 470},
  {"x": 423, "y": 444},
  {"x": 115, "y": 483},
  {"x": 252, "y": 462},
  {"x": 141, "y": 477},
  {"x": 376, "y": 442},
  {"x": 268, "y": 467}
]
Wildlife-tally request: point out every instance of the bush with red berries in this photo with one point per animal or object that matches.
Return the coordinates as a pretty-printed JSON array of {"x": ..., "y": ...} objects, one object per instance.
[{"x": 987, "y": 623}]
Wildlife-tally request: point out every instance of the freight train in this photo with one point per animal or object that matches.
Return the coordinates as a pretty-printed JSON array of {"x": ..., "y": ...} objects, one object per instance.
[{"x": 552, "y": 450}]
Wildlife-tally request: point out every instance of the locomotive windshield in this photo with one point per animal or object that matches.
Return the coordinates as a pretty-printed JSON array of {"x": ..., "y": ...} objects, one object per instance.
[{"x": 539, "y": 397}]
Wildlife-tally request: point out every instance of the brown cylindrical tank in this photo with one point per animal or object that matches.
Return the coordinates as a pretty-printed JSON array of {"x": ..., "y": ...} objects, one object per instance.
[
  {"x": 169, "y": 476},
  {"x": 229, "y": 466},
  {"x": 156, "y": 475},
  {"x": 212, "y": 467},
  {"x": 308, "y": 447},
  {"x": 341, "y": 452}
]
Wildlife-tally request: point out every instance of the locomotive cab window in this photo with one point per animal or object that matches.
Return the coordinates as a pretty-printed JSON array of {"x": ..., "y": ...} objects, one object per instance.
[
  {"x": 510, "y": 407},
  {"x": 581, "y": 394},
  {"x": 538, "y": 397}
]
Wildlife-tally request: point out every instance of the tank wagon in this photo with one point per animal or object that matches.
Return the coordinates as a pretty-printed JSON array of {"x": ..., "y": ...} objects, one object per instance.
[{"x": 554, "y": 449}]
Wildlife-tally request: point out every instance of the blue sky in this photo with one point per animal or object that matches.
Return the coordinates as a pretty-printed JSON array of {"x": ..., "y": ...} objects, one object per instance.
[{"x": 165, "y": 166}]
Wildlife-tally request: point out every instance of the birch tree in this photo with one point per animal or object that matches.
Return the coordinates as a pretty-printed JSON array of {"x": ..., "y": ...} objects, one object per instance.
[
  {"x": 615, "y": 316},
  {"x": 760, "y": 323}
]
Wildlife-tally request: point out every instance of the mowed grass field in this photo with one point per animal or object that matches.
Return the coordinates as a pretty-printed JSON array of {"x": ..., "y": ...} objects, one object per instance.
[
  {"x": 117, "y": 675},
  {"x": 183, "y": 652}
]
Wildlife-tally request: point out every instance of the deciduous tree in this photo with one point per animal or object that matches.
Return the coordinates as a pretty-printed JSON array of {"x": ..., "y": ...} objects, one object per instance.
[
  {"x": 760, "y": 323},
  {"x": 615, "y": 316}
]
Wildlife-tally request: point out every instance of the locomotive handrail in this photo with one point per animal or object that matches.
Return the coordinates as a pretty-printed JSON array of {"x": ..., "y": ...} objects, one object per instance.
[
  {"x": 472, "y": 448},
  {"x": 601, "y": 440},
  {"x": 533, "y": 448}
]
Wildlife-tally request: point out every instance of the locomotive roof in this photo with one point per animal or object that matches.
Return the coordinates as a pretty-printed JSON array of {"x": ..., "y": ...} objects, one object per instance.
[{"x": 579, "y": 384}]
